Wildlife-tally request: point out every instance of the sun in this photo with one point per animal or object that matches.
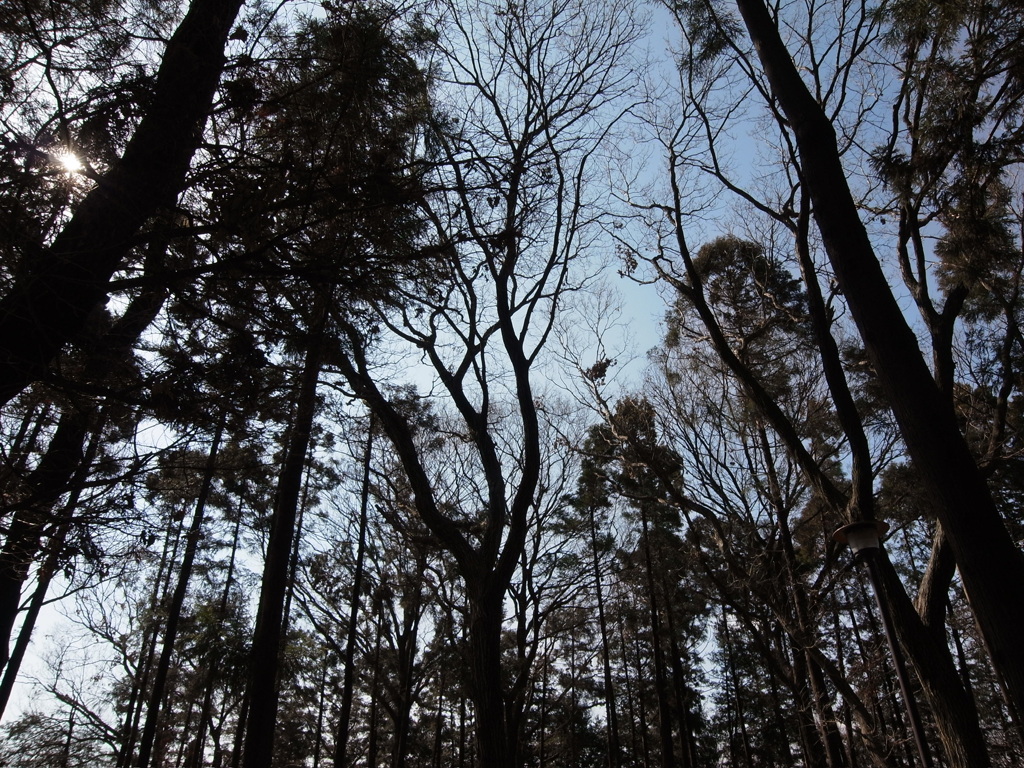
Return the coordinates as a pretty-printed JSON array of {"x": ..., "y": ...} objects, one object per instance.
[{"x": 69, "y": 162}]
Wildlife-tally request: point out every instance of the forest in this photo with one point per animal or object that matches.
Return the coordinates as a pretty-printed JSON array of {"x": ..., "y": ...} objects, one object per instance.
[{"x": 334, "y": 432}]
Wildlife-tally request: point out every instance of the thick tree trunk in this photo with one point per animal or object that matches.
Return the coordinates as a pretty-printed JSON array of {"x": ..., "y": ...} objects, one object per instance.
[
  {"x": 48, "y": 305},
  {"x": 486, "y": 686},
  {"x": 990, "y": 564}
]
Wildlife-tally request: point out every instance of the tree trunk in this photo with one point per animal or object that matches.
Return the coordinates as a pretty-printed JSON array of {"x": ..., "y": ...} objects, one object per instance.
[
  {"x": 147, "y": 655},
  {"x": 486, "y": 686},
  {"x": 212, "y": 669},
  {"x": 614, "y": 749},
  {"x": 407, "y": 644},
  {"x": 163, "y": 666},
  {"x": 660, "y": 675},
  {"x": 348, "y": 682},
  {"x": 680, "y": 689},
  {"x": 953, "y": 709},
  {"x": 267, "y": 636}
]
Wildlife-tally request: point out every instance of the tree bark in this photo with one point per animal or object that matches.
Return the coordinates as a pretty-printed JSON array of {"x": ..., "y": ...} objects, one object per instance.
[{"x": 487, "y": 689}]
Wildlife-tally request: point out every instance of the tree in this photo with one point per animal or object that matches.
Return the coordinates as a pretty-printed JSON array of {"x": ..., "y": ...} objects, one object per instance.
[{"x": 533, "y": 98}]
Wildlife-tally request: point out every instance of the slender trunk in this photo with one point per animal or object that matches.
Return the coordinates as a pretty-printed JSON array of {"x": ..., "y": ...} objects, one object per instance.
[
  {"x": 660, "y": 677},
  {"x": 810, "y": 735},
  {"x": 795, "y": 588},
  {"x": 267, "y": 636},
  {"x": 463, "y": 732},
  {"x": 147, "y": 658},
  {"x": 161, "y": 753},
  {"x": 213, "y": 668},
  {"x": 239, "y": 740},
  {"x": 837, "y": 637},
  {"x": 321, "y": 701},
  {"x": 163, "y": 667},
  {"x": 614, "y": 749},
  {"x": 542, "y": 725},
  {"x": 681, "y": 691},
  {"x": 782, "y": 740},
  {"x": 375, "y": 693},
  {"x": 825, "y": 716},
  {"x": 635, "y": 700},
  {"x": 737, "y": 693},
  {"x": 407, "y": 642},
  {"x": 439, "y": 720},
  {"x": 65, "y": 758},
  {"x": 348, "y": 682},
  {"x": 196, "y": 753}
]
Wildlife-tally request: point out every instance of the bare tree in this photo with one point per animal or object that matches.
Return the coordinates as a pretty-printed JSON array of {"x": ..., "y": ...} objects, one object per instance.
[{"x": 530, "y": 93}]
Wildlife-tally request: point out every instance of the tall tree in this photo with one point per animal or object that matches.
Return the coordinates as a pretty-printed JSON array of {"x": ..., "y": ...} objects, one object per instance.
[{"x": 531, "y": 92}]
